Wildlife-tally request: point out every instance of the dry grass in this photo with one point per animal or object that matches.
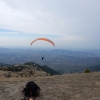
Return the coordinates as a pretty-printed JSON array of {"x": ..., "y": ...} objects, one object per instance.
[{"x": 61, "y": 87}]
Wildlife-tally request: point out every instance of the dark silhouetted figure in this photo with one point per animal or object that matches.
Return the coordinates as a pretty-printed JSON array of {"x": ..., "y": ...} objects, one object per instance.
[
  {"x": 31, "y": 90},
  {"x": 42, "y": 58}
]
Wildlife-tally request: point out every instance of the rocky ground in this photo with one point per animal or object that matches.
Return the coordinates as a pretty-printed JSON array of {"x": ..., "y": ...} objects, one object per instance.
[{"x": 83, "y": 86}]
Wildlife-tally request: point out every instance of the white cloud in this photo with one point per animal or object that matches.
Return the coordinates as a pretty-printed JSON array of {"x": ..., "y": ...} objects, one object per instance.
[
  {"x": 76, "y": 20},
  {"x": 36, "y": 21},
  {"x": 7, "y": 33}
]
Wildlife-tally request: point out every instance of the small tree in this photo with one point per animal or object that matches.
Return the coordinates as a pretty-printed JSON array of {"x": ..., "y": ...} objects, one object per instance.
[{"x": 87, "y": 71}]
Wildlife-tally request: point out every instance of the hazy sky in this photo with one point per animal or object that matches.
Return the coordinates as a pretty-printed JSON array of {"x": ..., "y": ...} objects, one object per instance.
[{"x": 69, "y": 23}]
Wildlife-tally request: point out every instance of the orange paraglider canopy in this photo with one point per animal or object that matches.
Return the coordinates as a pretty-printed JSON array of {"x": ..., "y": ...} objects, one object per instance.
[{"x": 44, "y": 39}]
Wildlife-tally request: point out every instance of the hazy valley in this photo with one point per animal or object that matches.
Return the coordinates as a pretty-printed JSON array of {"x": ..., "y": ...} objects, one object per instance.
[{"x": 63, "y": 61}]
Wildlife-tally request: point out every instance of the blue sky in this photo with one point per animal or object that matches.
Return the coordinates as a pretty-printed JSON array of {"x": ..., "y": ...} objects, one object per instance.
[{"x": 68, "y": 23}]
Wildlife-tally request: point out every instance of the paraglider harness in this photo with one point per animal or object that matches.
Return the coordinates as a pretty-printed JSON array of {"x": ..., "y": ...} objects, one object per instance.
[{"x": 29, "y": 91}]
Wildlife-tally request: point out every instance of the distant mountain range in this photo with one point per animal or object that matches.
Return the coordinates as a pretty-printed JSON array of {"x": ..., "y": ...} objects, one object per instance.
[
  {"x": 62, "y": 61},
  {"x": 4, "y": 64}
]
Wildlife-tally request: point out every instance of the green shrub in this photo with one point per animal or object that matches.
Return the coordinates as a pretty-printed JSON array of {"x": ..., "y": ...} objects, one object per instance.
[{"x": 87, "y": 71}]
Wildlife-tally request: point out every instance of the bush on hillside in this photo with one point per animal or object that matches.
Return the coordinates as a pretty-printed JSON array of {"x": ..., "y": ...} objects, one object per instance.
[{"x": 87, "y": 71}]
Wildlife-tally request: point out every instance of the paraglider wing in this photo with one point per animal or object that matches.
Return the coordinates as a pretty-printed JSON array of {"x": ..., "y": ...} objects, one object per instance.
[{"x": 44, "y": 39}]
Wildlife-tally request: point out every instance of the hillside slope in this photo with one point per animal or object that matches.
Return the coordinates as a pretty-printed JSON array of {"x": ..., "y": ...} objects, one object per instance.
[
  {"x": 27, "y": 70},
  {"x": 60, "y": 87}
]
